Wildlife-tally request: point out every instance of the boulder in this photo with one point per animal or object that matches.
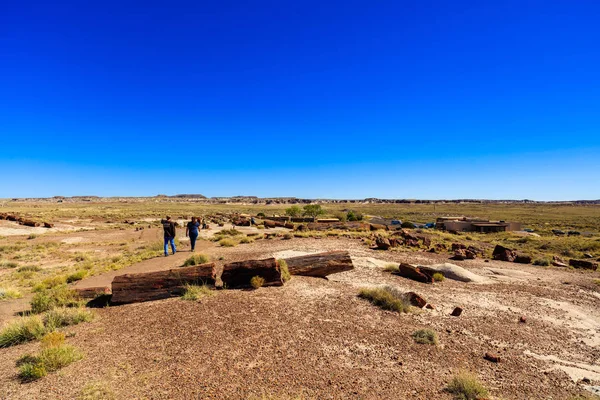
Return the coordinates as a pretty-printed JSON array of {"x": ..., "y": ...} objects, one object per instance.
[
  {"x": 470, "y": 255},
  {"x": 459, "y": 255},
  {"x": 502, "y": 253},
  {"x": 453, "y": 272},
  {"x": 413, "y": 272},
  {"x": 382, "y": 243},
  {"x": 411, "y": 242},
  {"x": 457, "y": 312},
  {"x": 416, "y": 300},
  {"x": 426, "y": 241},
  {"x": 583, "y": 264}
]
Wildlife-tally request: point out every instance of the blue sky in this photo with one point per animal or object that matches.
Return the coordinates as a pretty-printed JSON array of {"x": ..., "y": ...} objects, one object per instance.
[{"x": 352, "y": 99}]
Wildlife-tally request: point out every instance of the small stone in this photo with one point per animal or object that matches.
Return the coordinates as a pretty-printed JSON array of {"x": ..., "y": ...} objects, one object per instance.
[
  {"x": 430, "y": 306},
  {"x": 523, "y": 319},
  {"x": 491, "y": 357},
  {"x": 457, "y": 312}
]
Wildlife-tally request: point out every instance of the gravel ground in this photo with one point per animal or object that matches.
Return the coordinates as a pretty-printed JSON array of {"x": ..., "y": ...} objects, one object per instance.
[{"x": 316, "y": 338}]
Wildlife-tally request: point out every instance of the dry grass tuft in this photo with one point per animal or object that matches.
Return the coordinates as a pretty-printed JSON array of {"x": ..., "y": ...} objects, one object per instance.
[
  {"x": 426, "y": 336},
  {"x": 9, "y": 293},
  {"x": 466, "y": 386},
  {"x": 285, "y": 272},
  {"x": 257, "y": 282},
  {"x": 196, "y": 292},
  {"x": 438, "y": 277},
  {"x": 22, "y": 330},
  {"x": 227, "y": 242},
  {"x": 386, "y": 298},
  {"x": 196, "y": 259}
]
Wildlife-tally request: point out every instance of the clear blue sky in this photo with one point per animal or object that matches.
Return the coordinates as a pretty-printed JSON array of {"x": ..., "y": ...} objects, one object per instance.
[{"x": 335, "y": 99}]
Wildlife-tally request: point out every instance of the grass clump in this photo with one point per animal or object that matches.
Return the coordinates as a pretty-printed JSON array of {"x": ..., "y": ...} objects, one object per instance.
[
  {"x": 426, "y": 336},
  {"x": 391, "y": 267},
  {"x": 8, "y": 264},
  {"x": 229, "y": 232},
  {"x": 196, "y": 259},
  {"x": 542, "y": 262},
  {"x": 59, "y": 317},
  {"x": 246, "y": 240},
  {"x": 60, "y": 296},
  {"x": 55, "y": 354},
  {"x": 438, "y": 277},
  {"x": 77, "y": 276},
  {"x": 22, "y": 330},
  {"x": 287, "y": 236},
  {"x": 196, "y": 292},
  {"x": 96, "y": 391},
  {"x": 32, "y": 236},
  {"x": 257, "y": 282},
  {"x": 9, "y": 293},
  {"x": 226, "y": 242},
  {"x": 285, "y": 272},
  {"x": 29, "y": 268},
  {"x": 466, "y": 386},
  {"x": 386, "y": 298}
]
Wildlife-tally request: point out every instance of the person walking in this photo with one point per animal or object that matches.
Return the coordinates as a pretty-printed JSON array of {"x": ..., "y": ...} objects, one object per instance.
[
  {"x": 192, "y": 231},
  {"x": 169, "y": 229}
]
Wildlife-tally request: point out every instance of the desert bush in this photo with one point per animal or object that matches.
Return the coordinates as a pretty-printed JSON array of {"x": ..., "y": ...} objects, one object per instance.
[
  {"x": 246, "y": 240},
  {"x": 261, "y": 215},
  {"x": 287, "y": 236},
  {"x": 354, "y": 216},
  {"x": 29, "y": 268},
  {"x": 425, "y": 336},
  {"x": 59, "y": 296},
  {"x": 229, "y": 232},
  {"x": 293, "y": 211},
  {"x": 63, "y": 316},
  {"x": 22, "y": 330},
  {"x": 257, "y": 281},
  {"x": 385, "y": 298},
  {"x": 313, "y": 210},
  {"x": 8, "y": 264},
  {"x": 9, "y": 293},
  {"x": 55, "y": 354},
  {"x": 438, "y": 277},
  {"x": 196, "y": 259},
  {"x": 541, "y": 262},
  {"x": 466, "y": 386},
  {"x": 391, "y": 267},
  {"x": 50, "y": 282},
  {"x": 227, "y": 242},
  {"x": 341, "y": 216},
  {"x": 77, "y": 276},
  {"x": 285, "y": 272},
  {"x": 408, "y": 225},
  {"x": 196, "y": 292}
]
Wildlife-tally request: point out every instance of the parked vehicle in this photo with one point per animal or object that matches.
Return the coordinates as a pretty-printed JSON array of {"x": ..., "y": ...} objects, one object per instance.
[{"x": 396, "y": 222}]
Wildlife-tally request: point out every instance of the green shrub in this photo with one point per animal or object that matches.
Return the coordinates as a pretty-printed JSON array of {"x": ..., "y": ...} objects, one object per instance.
[
  {"x": 257, "y": 281},
  {"x": 196, "y": 259},
  {"x": 63, "y": 316},
  {"x": 541, "y": 262},
  {"x": 227, "y": 242},
  {"x": 293, "y": 211},
  {"x": 385, "y": 298},
  {"x": 391, "y": 267},
  {"x": 59, "y": 296},
  {"x": 354, "y": 216},
  {"x": 9, "y": 293},
  {"x": 196, "y": 292},
  {"x": 55, "y": 354},
  {"x": 408, "y": 225},
  {"x": 438, "y": 277},
  {"x": 246, "y": 239},
  {"x": 425, "y": 336},
  {"x": 29, "y": 268},
  {"x": 77, "y": 276},
  {"x": 32, "y": 371},
  {"x": 22, "y": 330},
  {"x": 465, "y": 386},
  {"x": 285, "y": 272},
  {"x": 341, "y": 216}
]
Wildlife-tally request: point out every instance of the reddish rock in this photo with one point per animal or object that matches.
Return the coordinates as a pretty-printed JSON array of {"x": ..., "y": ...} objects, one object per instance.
[
  {"x": 503, "y": 254},
  {"x": 394, "y": 242},
  {"x": 411, "y": 242},
  {"x": 459, "y": 255},
  {"x": 458, "y": 246},
  {"x": 583, "y": 264},
  {"x": 92, "y": 292},
  {"x": 523, "y": 319},
  {"x": 432, "y": 250},
  {"x": 457, "y": 312},
  {"x": 414, "y": 273},
  {"x": 382, "y": 243},
  {"x": 376, "y": 227},
  {"x": 440, "y": 247},
  {"x": 430, "y": 306},
  {"x": 492, "y": 357},
  {"x": 426, "y": 241},
  {"x": 470, "y": 255},
  {"x": 416, "y": 300}
]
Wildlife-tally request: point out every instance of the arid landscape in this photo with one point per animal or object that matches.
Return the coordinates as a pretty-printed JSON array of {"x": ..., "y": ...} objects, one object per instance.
[{"x": 527, "y": 330}]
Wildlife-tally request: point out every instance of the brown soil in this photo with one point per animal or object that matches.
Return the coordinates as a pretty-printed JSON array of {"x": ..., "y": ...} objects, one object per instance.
[{"x": 316, "y": 338}]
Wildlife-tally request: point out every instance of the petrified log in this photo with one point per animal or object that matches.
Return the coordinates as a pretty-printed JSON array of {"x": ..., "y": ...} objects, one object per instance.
[
  {"x": 28, "y": 222},
  {"x": 273, "y": 224},
  {"x": 241, "y": 222},
  {"x": 504, "y": 254},
  {"x": 376, "y": 227},
  {"x": 48, "y": 225},
  {"x": 321, "y": 264},
  {"x": 523, "y": 259},
  {"x": 134, "y": 288},
  {"x": 584, "y": 264},
  {"x": 414, "y": 273},
  {"x": 238, "y": 274},
  {"x": 10, "y": 217},
  {"x": 289, "y": 225},
  {"x": 92, "y": 292}
]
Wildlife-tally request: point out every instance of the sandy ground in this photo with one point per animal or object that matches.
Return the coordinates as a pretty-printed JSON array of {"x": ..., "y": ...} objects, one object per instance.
[{"x": 316, "y": 338}]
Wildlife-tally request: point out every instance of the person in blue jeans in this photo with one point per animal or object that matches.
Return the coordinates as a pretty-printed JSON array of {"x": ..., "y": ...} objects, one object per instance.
[
  {"x": 192, "y": 231},
  {"x": 169, "y": 229}
]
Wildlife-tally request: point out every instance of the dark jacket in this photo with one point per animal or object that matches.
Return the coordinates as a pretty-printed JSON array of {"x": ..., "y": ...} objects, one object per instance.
[{"x": 169, "y": 228}]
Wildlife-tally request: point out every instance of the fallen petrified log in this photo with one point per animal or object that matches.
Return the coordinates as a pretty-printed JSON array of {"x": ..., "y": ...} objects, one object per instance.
[
  {"x": 48, "y": 225},
  {"x": 584, "y": 264},
  {"x": 349, "y": 226},
  {"x": 238, "y": 274},
  {"x": 504, "y": 254},
  {"x": 92, "y": 292},
  {"x": 415, "y": 273},
  {"x": 274, "y": 224},
  {"x": 135, "y": 288},
  {"x": 28, "y": 222},
  {"x": 321, "y": 264},
  {"x": 376, "y": 227}
]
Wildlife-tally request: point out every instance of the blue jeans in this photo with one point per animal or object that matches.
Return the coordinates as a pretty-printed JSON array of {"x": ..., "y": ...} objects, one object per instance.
[
  {"x": 167, "y": 241},
  {"x": 193, "y": 240}
]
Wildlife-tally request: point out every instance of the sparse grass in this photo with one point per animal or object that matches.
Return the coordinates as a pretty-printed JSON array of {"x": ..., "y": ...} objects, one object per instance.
[
  {"x": 426, "y": 336},
  {"x": 29, "y": 268},
  {"x": 55, "y": 354},
  {"x": 32, "y": 236},
  {"x": 63, "y": 316},
  {"x": 21, "y": 330},
  {"x": 8, "y": 264},
  {"x": 285, "y": 272},
  {"x": 196, "y": 292},
  {"x": 287, "y": 236},
  {"x": 77, "y": 276},
  {"x": 59, "y": 296},
  {"x": 9, "y": 293},
  {"x": 257, "y": 282},
  {"x": 196, "y": 259},
  {"x": 227, "y": 242},
  {"x": 542, "y": 262},
  {"x": 246, "y": 240},
  {"x": 438, "y": 277},
  {"x": 597, "y": 282},
  {"x": 96, "y": 390},
  {"x": 391, "y": 268},
  {"x": 385, "y": 298},
  {"x": 466, "y": 386},
  {"x": 229, "y": 232}
]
